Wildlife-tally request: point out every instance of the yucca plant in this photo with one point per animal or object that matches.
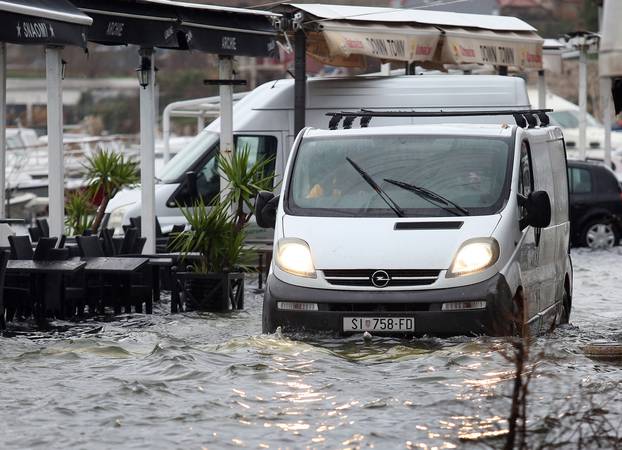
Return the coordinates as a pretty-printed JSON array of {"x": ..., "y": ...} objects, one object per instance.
[
  {"x": 245, "y": 180},
  {"x": 107, "y": 173},
  {"x": 213, "y": 234},
  {"x": 79, "y": 211}
]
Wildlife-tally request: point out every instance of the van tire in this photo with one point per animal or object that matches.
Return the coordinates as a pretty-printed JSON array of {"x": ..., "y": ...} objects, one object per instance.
[
  {"x": 518, "y": 314},
  {"x": 267, "y": 324},
  {"x": 564, "y": 313},
  {"x": 599, "y": 233}
]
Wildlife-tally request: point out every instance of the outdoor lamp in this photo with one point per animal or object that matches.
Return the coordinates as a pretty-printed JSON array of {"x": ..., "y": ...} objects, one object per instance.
[
  {"x": 144, "y": 72},
  {"x": 62, "y": 68}
]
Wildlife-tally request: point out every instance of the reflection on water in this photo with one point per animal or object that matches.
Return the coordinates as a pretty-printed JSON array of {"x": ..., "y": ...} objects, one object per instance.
[{"x": 213, "y": 381}]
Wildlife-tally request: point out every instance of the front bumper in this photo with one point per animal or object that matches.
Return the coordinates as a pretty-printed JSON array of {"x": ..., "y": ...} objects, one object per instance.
[{"x": 423, "y": 305}]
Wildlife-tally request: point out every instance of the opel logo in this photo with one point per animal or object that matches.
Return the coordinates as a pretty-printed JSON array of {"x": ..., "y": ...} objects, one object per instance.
[{"x": 380, "y": 278}]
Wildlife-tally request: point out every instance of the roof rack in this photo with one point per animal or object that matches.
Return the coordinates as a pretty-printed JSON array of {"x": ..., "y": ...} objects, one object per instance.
[{"x": 525, "y": 118}]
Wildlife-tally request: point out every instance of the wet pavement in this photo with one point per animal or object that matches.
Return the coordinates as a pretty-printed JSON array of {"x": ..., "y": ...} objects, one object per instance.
[{"x": 213, "y": 381}]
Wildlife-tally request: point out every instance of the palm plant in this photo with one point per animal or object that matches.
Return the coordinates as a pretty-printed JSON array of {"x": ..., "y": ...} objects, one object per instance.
[
  {"x": 245, "y": 180},
  {"x": 107, "y": 173},
  {"x": 213, "y": 233},
  {"x": 79, "y": 210}
]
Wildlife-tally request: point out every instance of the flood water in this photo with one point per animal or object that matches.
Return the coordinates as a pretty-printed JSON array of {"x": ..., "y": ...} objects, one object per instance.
[{"x": 197, "y": 381}]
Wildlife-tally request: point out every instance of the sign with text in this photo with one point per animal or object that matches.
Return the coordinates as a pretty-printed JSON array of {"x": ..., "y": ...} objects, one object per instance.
[
  {"x": 23, "y": 29},
  {"x": 395, "y": 43},
  {"x": 495, "y": 48}
]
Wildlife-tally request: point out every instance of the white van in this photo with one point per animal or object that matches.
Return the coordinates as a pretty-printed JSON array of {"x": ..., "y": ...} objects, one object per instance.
[
  {"x": 439, "y": 229},
  {"x": 264, "y": 121},
  {"x": 566, "y": 115}
]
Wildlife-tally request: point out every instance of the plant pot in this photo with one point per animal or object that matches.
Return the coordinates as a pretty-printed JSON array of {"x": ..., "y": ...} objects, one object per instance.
[{"x": 214, "y": 292}]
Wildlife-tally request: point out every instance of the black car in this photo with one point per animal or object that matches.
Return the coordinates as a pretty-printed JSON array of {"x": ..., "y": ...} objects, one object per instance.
[{"x": 595, "y": 205}]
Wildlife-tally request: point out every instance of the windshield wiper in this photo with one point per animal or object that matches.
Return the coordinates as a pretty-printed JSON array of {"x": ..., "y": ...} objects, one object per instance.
[
  {"x": 383, "y": 195},
  {"x": 429, "y": 195}
]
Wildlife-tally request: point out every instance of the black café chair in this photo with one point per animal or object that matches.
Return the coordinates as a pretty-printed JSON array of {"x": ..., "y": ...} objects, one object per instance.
[
  {"x": 96, "y": 286},
  {"x": 168, "y": 246},
  {"x": 107, "y": 237},
  {"x": 129, "y": 242},
  {"x": 35, "y": 233},
  {"x": 17, "y": 290},
  {"x": 21, "y": 247},
  {"x": 12, "y": 299},
  {"x": 4, "y": 258},
  {"x": 90, "y": 246},
  {"x": 139, "y": 245},
  {"x": 44, "y": 227},
  {"x": 44, "y": 249}
]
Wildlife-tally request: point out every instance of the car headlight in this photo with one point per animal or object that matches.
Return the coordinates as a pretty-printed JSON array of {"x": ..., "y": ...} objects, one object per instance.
[
  {"x": 116, "y": 218},
  {"x": 294, "y": 256},
  {"x": 474, "y": 256}
]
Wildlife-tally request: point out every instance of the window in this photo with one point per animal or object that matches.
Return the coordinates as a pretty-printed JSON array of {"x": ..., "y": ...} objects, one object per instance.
[
  {"x": 525, "y": 179},
  {"x": 208, "y": 178},
  {"x": 580, "y": 181},
  {"x": 470, "y": 171}
]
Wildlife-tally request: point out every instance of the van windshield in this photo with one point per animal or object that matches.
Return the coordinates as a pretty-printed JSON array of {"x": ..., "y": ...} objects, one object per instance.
[
  {"x": 183, "y": 161},
  {"x": 472, "y": 173}
]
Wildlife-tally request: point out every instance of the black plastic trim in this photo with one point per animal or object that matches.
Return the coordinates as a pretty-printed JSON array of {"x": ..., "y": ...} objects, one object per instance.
[{"x": 428, "y": 225}]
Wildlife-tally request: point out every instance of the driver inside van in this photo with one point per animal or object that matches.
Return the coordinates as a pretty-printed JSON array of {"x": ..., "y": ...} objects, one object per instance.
[
  {"x": 327, "y": 184},
  {"x": 319, "y": 190}
]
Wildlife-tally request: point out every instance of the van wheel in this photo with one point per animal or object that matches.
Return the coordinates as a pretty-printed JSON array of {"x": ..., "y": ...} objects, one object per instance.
[
  {"x": 518, "y": 315},
  {"x": 267, "y": 324},
  {"x": 599, "y": 233},
  {"x": 564, "y": 313}
]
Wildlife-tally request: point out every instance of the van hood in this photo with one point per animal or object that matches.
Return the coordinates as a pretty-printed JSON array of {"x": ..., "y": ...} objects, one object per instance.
[{"x": 372, "y": 243}]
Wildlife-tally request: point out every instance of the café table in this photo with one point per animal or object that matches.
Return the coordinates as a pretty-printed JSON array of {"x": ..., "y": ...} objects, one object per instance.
[
  {"x": 123, "y": 268},
  {"x": 49, "y": 295}
]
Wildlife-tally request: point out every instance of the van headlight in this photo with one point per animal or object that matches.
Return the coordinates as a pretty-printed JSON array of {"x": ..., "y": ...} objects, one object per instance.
[
  {"x": 294, "y": 256},
  {"x": 116, "y": 218},
  {"x": 474, "y": 256}
]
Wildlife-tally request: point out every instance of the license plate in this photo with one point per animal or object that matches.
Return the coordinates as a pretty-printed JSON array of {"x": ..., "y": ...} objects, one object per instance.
[{"x": 379, "y": 324}]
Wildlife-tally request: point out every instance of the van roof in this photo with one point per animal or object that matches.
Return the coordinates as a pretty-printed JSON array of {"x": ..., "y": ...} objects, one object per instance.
[
  {"x": 470, "y": 129},
  {"x": 428, "y": 91}
]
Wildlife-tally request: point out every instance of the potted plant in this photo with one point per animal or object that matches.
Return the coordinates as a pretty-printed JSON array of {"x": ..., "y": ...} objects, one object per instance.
[
  {"x": 216, "y": 237},
  {"x": 107, "y": 173},
  {"x": 79, "y": 211}
]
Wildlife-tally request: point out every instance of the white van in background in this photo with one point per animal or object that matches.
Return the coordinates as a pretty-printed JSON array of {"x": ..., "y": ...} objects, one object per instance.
[
  {"x": 566, "y": 115},
  {"x": 264, "y": 122}
]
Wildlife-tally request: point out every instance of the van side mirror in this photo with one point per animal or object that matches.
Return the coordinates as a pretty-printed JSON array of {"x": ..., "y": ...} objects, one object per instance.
[
  {"x": 538, "y": 207},
  {"x": 266, "y": 204},
  {"x": 191, "y": 185}
]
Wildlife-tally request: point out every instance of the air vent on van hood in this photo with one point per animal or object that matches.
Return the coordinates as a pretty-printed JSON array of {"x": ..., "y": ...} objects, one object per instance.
[{"x": 448, "y": 225}]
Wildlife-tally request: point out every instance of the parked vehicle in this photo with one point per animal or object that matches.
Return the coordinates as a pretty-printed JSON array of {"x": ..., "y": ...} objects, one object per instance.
[
  {"x": 425, "y": 229},
  {"x": 264, "y": 122},
  {"x": 566, "y": 115},
  {"x": 595, "y": 205}
]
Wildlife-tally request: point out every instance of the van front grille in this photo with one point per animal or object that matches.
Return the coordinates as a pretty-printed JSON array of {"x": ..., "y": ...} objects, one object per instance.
[
  {"x": 375, "y": 307},
  {"x": 399, "y": 277}
]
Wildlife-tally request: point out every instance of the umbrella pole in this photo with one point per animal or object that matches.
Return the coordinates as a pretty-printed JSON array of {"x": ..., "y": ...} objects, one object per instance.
[
  {"x": 147, "y": 153},
  {"x": 541, "y": 89},
  {"x": 56, "y": 176},
  {"x": 300, "y": 82},
  {"x": 606, "y": 103},
  {"x": 2, "y": 129},
  {"x": 582, "y": 100},
  {"x": 225, "y": 72}
]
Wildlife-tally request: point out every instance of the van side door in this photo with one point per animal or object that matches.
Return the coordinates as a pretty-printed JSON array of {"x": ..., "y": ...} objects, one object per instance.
[
  {"x": 559, "y": 219},
  {"x": 529, "y": 251},
  {"x": 546, "y": 238}
]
